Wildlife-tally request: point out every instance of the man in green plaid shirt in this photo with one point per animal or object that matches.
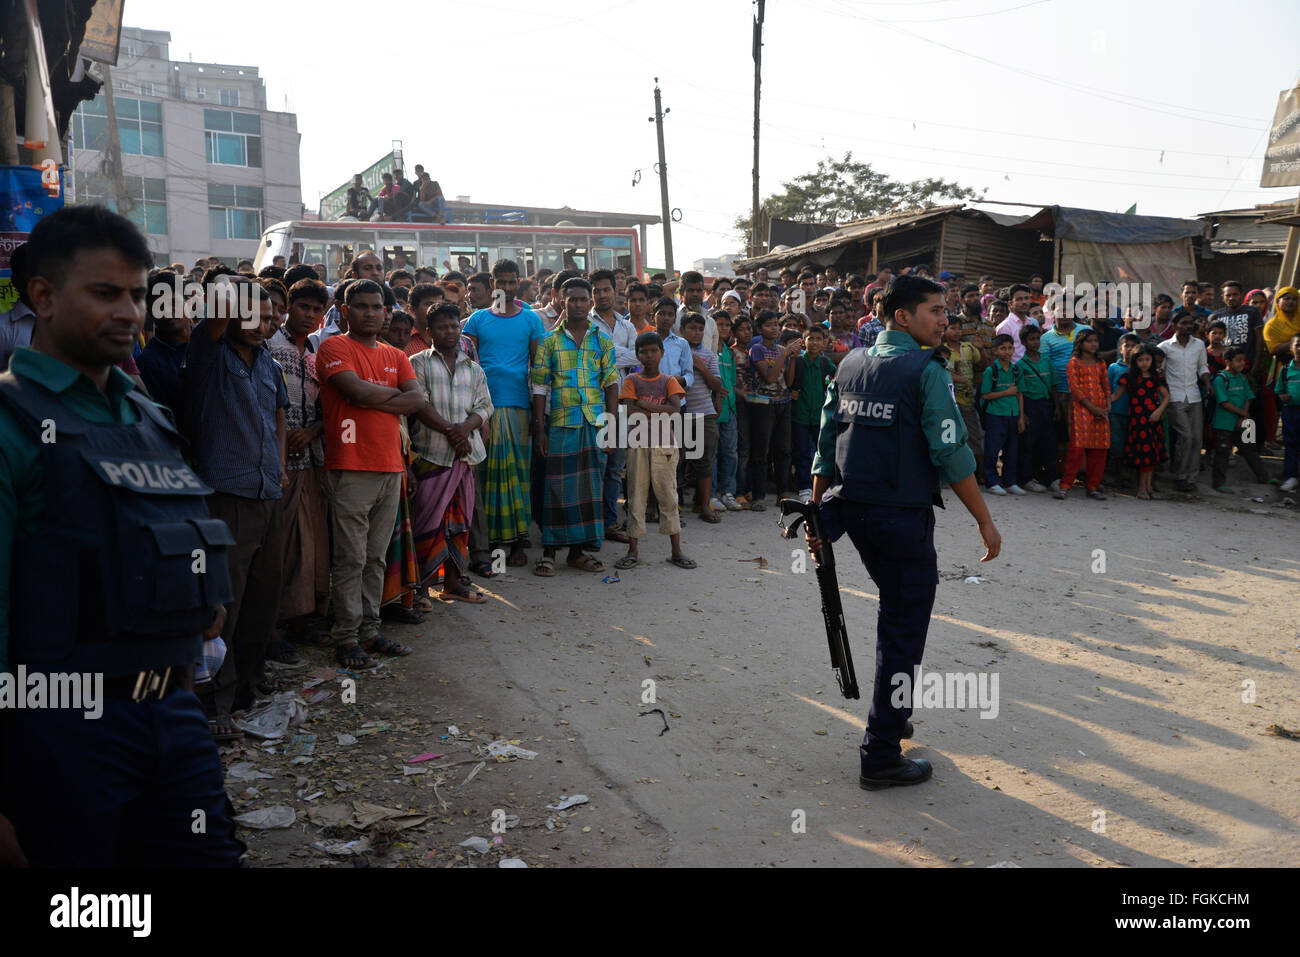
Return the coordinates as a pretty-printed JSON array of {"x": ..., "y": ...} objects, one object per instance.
[{"x": 574, "y": 368}]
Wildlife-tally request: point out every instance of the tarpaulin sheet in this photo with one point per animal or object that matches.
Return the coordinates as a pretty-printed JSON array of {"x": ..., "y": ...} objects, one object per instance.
[
  {"x": 1095, "y": 226},
  {"x": 1164, "y": 265}
]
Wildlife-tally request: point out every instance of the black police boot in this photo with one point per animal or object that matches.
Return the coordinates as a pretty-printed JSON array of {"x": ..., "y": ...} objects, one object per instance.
[{"x": 906, "y": 771}]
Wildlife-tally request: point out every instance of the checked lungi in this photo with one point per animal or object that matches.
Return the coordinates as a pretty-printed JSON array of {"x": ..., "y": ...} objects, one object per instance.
[
  {"x": 441, "y": 506},
  {"x": 505, "y": 476},
  {"x": 572, "y": 499}
]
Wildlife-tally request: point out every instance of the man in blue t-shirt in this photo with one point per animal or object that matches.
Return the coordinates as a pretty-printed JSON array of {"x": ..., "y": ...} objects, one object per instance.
[{"x": 505, "y": 335}]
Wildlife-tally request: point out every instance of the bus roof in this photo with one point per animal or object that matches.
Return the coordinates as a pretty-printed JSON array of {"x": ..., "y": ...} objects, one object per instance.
[{"x": 451, "y": 227}]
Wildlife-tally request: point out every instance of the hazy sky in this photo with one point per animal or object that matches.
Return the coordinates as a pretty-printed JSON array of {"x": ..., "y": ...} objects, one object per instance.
[{"x": 1093, "y": 103}]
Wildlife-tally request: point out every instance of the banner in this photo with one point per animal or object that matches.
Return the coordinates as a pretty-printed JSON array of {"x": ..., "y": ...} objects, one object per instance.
[
  {"x": 27, "y": 195},
  {"x": 103, "y": 32},
  {"x": 335, "y": 203},
  {"x": 1282, "y": 158}
]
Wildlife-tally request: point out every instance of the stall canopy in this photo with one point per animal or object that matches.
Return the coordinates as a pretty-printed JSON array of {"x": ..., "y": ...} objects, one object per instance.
[{"x": 1097, "y": 246}]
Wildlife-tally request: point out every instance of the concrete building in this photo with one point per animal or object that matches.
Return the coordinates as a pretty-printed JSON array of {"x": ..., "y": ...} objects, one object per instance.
[{"x": 206, "y": 164}]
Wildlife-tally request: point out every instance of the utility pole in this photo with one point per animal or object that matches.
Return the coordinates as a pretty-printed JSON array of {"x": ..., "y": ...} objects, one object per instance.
[
  {"x": 754, "y": 241},
  {"x": 111, "y": 165},
  {"x": 658, "y": 120}
]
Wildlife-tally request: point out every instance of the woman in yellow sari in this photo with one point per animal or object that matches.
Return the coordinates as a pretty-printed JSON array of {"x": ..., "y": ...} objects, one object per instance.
[{"x": 1282, "y": 324}]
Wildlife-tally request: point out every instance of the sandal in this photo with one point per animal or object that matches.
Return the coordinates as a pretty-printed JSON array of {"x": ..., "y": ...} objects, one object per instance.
[
  {"x": 757, "y": 507},
  {"x": 711, "y": 517},
  {"x": 585, "y": 563},
  {"x": 517, "y": 559},
  {"x": 424, "y": 604},
  {"x": 482, "y": 569},
  {"x": 681, "y": 561},
  {"x": 545, "y": 567},
  {"x": 626, "y": 562},
  {"x": 614, "y": 535},
  {"x": 354, "y": 658},
  {"x": 395, "y": 611},
  {"x": 471, "y": 595},
  {"x": 385, "y": 646},
  {"x": 223, "y": 728}
]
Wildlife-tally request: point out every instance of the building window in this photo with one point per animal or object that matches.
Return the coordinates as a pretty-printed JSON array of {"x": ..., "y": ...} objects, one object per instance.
[
  {"x": 234, "y": 212},
  {"x": 146, "y": 198},
  {"x": 146, "y": 89},
  {"x": 233, "y": 139},
  {"x": 139, "y": 125},
  {"x": 229, "y": 97},
  {"x": 201, "y": 93}
]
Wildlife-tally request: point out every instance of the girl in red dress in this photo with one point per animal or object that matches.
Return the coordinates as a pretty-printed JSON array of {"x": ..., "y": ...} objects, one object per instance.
[{"x": 1148, "y": 396}]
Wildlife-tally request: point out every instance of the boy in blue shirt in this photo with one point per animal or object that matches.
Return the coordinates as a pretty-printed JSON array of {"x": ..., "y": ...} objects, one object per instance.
[{"x": 1128, "y": 347}]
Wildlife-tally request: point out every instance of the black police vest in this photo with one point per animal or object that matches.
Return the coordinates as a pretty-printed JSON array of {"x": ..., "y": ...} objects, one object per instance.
[
  {"x": 127, "y": 567},
  {"x": 881, "y": 453}
]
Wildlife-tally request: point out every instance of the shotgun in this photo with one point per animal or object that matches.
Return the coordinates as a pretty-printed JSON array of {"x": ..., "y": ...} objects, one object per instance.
[{"x": 832, "y": 611}]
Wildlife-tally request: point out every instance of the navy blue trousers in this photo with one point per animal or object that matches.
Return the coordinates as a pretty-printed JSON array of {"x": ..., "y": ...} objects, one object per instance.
[
  {"x": 121, "y": 790},
  {"x": 897, "y": 547},
  {"x": 1001, "y": 435}
]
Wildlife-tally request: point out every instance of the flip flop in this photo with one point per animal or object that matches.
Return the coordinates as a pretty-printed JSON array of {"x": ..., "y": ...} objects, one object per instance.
[
  {"x": 224, "y": 721},
  {"x": 483, "y": 569},
  {"x": 354, "y": 658},
  {"x": 681, "y": 561},
  {"x": 471, "y": 595},
  {"x": 545, "y": 567},
  {"x": 626, "y": 562},
  {"x": 385, "y": 646},
  {"x": 585, "y": 563}
]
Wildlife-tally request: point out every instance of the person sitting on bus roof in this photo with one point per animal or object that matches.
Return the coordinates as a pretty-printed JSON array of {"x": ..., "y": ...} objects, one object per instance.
[
  {"x": 381, "y": 205},
  {"x": 358, "y": 199},
  {"x": 428, "y": 196}
]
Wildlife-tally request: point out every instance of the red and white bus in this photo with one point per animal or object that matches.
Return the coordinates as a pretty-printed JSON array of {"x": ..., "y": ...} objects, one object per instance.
[{"x": 467, "y": 247}]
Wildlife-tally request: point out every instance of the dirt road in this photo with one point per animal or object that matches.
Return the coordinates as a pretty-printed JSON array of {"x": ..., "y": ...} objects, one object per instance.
[{"x": 1141, "y": 649}]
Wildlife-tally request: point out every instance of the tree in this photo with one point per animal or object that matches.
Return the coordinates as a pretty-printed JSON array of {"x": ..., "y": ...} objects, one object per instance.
[{"x": 840, "y": 191}]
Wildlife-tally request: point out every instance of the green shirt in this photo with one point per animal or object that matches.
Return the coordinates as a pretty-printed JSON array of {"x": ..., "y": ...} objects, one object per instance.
[
  {"x": 996, "y": 379},
  {"x": 727, "y": 373},
  {"x": 1033, "y": 386},
  {"x": 810, "y": 379},
  {"x": 22, "y": 473},
  {"x": 1289, "y": 384},
  {"x": 941, "y": 420},
  {"x": 1232, "y": 388}
]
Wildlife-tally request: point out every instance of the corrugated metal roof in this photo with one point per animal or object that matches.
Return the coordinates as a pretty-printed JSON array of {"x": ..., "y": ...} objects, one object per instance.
[{"x": 850, "y": 233}]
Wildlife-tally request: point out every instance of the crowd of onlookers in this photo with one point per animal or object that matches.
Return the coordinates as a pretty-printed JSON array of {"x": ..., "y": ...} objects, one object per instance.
[{"x": 378, "y": 443}]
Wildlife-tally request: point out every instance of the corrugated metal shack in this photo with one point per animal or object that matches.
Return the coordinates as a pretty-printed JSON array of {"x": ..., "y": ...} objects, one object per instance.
[
  {"x": 1243, "y": 245},
  {"x": 968, "y": 242}
]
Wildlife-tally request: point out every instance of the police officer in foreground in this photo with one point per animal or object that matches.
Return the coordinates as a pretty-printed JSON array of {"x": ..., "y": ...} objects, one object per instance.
[
  {"x": 111, "y": 570},
  {"x": 891, "y": 432}
]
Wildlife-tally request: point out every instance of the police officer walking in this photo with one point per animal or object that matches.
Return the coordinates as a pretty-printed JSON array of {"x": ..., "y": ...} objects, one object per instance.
[
  {"x": 111, "y": 575},
  {"x": 891, "y": 432}
]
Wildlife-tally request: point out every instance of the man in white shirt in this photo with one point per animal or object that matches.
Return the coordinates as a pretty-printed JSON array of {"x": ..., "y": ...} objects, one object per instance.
[
  {"x": 625, "y": 360},
  {"x": 1187, "y": 372},
  {"x": 1017, "y": 320}
]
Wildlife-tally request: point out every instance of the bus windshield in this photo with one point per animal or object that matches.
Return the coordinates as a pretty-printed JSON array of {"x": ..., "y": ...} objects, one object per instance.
[{"x": 467, "y": 248}]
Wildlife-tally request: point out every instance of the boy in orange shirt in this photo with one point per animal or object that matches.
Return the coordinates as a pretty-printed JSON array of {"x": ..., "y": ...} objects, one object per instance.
[{"x": 652, "y": 403}]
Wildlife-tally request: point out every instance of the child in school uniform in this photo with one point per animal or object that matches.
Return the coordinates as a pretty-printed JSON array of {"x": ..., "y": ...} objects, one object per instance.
[
  {"x": 1035, "y": 378},
  {"x": 1146, "y": 397},
  {"x": 1232, "y": 425},
  {"x": 1288, "y": 397},
  {"x": 812, "y": 371},
  {"x": 1002, "y": 423},
  {"x": 1129, "y": 346},
  {"x": 652, "y": 401}
]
